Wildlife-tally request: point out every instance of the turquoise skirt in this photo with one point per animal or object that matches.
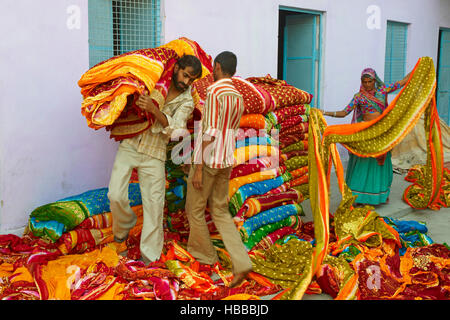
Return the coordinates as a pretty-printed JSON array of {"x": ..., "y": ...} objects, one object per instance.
[{"x": 368, "y": 180}]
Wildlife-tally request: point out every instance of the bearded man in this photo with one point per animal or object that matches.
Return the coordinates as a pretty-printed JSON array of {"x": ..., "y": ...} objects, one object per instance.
[{"x": 147, "y": 153}]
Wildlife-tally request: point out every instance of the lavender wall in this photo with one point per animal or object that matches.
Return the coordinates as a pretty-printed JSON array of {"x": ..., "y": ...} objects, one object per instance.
[{"x": 47, "y": 151}]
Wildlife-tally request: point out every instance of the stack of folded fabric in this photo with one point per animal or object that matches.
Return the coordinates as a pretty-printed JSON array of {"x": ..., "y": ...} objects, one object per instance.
[
  {"x": 261, "y": 176},
  {"x": 290, "y": 119},
  {"x": 263, "y": 201},
  {"x": 81, "y": 222}
]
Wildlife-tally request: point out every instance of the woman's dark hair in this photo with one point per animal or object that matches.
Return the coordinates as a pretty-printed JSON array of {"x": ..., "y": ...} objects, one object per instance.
[
  {"x": 191, "y": 61},
  {"x": 227, "y": 61}
]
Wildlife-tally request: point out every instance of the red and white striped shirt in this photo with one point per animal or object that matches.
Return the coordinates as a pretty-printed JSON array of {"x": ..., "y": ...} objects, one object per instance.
[{"x": 222, "y": 113}]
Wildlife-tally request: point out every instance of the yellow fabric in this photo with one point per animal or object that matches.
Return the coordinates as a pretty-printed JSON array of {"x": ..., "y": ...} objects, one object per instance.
[
  {"x": 6, "y": 269},
  {"x": 244, "y": 154},
  {"x": 238, "y": 182},
  {"x": 114, "y": 293},
  {"x": 60, "y": 274},
  {"x": 22, "y": 275}
]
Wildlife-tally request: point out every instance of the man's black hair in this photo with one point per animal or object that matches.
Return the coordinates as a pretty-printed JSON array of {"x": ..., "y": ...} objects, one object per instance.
[
  {"x": 227, "y": 61},
  {"x": 191, "y": 61}
]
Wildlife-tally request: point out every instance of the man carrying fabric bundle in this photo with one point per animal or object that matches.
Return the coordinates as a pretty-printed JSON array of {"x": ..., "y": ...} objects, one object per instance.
[
  {"x": 147, "y": 153},
  {"x": 209, "y": 177}
]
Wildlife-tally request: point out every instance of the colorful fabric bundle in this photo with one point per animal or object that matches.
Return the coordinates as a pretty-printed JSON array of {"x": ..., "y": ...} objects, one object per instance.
[
  {"x": 265, "y": 140},
  {"x": 292, "y": 121},
  {"x": 419, "y": 274},
  {"x": 256, "y": 99},
  {"x": 94, "y": 232},
  {"x": 289, "y": 139},
  {"x": 296, "y": 162},
  {"x": 269, "y": 216},
  {"x": 295, "y": 153},
  {"x": 336, "y": 276},
  {"x": 248, "y": 133},
  {"x": 257, "y": 165},
  {"x": 238, "y": 182},
  {"x": 417, "y": 175},
  {"x": 256, "y": 204},
  {"x": 282, "y": 114},
  {"x": 110, "y": 89},
  {"x": 412, "y": 233},
  {"x": 273, "y": 237},
  {"x": 253, "y": 152},
  {"x": 256, "y": 188},
  {"x": 298, "y": 146},
  {"x": 52, "y": 220},
  {"x": 300, "y": 128},
  {"x": 299, "y": 172},
  {"x": 283, "y": 94},
  {"x": 255, "y": 121},
  {"x": 288, "y": 265},
  {"x": 293, "y": 221}
]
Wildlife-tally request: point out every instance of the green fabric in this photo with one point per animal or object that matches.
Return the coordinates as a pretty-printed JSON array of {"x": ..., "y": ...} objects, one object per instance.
[
  {"x": 288, "y": 265},
  {"x": 296, "y": 162},
  {"x": 368, "y": 180},
  {"x": 69, "y": 213},
  {"x": 298, "y": 146},
  {"x": 259, "y": 234}
]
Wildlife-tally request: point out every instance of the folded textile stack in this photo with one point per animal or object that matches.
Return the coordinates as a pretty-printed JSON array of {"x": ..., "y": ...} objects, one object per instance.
[
  {"x": 263, "y": 202},
  {"x": 260, "y": 174},
  {"x": 52, "y": 220}
]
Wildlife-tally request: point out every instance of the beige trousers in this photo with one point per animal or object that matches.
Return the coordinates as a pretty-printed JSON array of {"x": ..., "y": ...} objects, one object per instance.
[
  {"x": 152, "y": 181},
  {"x": 215, "y": 192}
]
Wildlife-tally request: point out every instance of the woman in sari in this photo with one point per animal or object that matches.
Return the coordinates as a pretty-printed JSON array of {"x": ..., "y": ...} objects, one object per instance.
[{"x": 369, "y": 178}]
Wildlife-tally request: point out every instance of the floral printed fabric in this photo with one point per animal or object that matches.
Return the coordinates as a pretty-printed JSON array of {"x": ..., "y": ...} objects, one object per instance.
[
  {"x": 269, "y": 216},
  {"x": 283, "y": 94}
]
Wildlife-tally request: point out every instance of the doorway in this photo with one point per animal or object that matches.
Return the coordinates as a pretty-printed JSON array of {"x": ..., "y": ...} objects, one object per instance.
[
  {"x": 443, "y": 76},
  {"x": 299, "y": 50}
]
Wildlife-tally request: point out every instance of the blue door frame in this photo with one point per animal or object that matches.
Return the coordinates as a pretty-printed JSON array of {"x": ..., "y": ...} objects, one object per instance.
[
  {"x": 314, "y": 56},
  {"x": 443, "y": 85}
]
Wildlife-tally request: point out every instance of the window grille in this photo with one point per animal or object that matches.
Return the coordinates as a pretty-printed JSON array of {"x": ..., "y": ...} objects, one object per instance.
[{"x": 119, "y": 26}]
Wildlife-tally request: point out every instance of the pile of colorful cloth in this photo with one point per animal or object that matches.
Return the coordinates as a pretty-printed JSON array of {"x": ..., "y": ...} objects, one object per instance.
[
  {"x": 372, "y": 245},
  {"x": 68, "y": 252}
]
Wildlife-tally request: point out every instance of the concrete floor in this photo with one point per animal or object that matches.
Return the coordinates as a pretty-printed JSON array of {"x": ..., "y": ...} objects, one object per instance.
[{"x": 438, "y": 222}]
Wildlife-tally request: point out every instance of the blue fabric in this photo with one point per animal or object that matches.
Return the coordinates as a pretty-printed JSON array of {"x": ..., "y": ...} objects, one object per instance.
[
  {"x": 97, "y": 202},
  {"x": 412, "y": 233},
  {"x": 269, "y": 216},
  {"x": 262, "y": 141},
  {"x": 256, "y": 188}
]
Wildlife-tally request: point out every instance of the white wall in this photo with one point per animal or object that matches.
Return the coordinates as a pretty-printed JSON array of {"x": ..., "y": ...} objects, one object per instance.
[{"x": 47, "y": 151}]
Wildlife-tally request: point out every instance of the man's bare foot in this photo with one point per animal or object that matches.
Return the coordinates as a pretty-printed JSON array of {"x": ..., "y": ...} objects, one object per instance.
[{"x": 238, "y": 278}]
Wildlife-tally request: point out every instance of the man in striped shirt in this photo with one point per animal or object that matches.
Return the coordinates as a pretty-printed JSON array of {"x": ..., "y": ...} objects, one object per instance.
[
  {"x": 147, "y": 153},
  {"x": 209, "y": 176}
]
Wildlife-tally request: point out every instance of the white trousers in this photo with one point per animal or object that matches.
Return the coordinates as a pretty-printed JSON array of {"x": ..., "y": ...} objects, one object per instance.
[{"x": 152, "y": 181}]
